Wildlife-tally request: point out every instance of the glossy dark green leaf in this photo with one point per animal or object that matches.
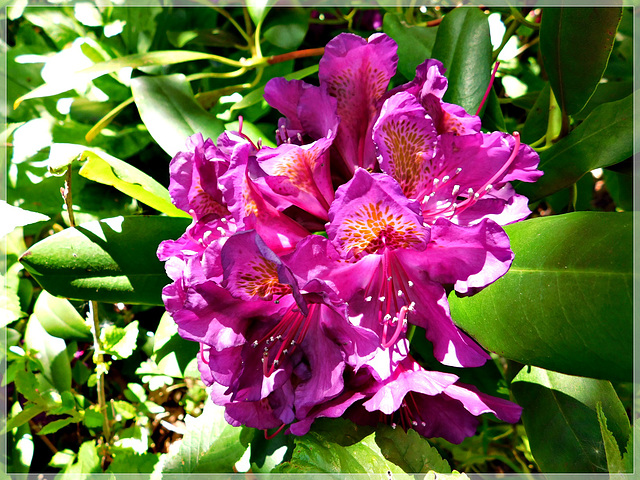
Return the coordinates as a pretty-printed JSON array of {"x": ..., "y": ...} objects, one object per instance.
[
  {"x": 620, "y": 187},
  {"x": 171, "y": 352},
  {"x": 315, "y": 453},
  {"x": 604, "y": 138},
  {"x": 576, "y": 44},
  {"x": 415, "y": 44},
  {"x": 605, "y": 93},
  {"x": 52, "y": 354},
  {"x": 535, "y": 127},
  {"x": 410, "y": 451},
  {"x": 113, "y": 260},
  {"x": 170, "y": 112},
  {"x": 566, "y": 303},
  {"x": 492, "y": 117},
  {"x": 463, "y": 44},
  {"x": 210, "y": 445},
  {"x": 59, "y": 318},
  {"x": 559, "y": 414}
]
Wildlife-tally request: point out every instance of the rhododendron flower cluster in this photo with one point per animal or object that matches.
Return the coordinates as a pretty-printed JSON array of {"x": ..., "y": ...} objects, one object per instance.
[{"x": 307, "y": 263}]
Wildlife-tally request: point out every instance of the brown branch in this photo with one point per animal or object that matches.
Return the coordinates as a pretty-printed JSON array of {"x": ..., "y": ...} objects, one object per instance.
[{"x": 311, "y": 52}]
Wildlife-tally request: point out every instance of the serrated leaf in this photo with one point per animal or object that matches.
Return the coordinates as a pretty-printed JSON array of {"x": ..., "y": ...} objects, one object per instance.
[
  {"x": 93, "y": 418},
  {"x": 575, "y": 44},
  {"x": 315, "y": 453},
  {"x": 415, "y": 44},
  {"x": 171, "y": 113},
  {"x": 210, "y": 444},
  {"x": 566, "y": 302},
  {"x": 23, "y": 417},
  {"x": 605, "y": 138},
  {"x": 51, "y": 352},
  {"x": 59, "y": 318},
  {"x": 129, "y": 462},
  {"x": 120, "y": 342},
  {"x": 463, "y": 44},
  {"x": 559, "y": 415},
  {"x": 410, "y": 451},
  {"x": 113, "y": 260},
  {"x": 611, "y": 448}
]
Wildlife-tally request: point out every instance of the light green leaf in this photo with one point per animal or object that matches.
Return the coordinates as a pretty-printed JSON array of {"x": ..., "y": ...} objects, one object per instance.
[
  {"x": 113, "y": 260},
  {"x": 23, "y": 417},
  {"x": 88, "y": 462},
  {"x": 171, "y": 113},
  {"x": 108, "y": 170},
  {"x": 120, "y": 342},
  {"x": 560, "y": 410},
  {"x": 566, "y": 303},
  {"x": 13, "y": 217},
  {"x": 410, "y": 451},
  {"x": 611, "y": 448},
  {"x": 59, "y": 318},
  {"x": 210, "y": 444},
  {"x": 172, "y": 353},
  {"x": 57, "y": 425},
  {"x": 51, "y": 352}
]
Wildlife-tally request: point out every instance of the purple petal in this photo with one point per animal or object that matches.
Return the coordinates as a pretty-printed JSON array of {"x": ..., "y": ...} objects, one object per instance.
[
  {"x": 371, "y": 213},
  {"x": 357, "y": 72},
  {"x": 406, "y": 141}
]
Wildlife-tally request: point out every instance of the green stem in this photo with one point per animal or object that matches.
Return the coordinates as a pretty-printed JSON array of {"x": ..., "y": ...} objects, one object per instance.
[
  {"x": 513, "y": 26},
  {"x": 66, "y": 194},
  {"x": 554, "y": 125},
  {"x": 518, "y": 16},
  {"x": 98, "y": 359},
  {"x": 228, "y": 16},
  {"x": 573, "y": 197}
]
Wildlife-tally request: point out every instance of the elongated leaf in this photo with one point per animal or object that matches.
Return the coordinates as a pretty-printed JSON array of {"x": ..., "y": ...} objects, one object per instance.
[
  {"x": 604, "y": 138},
  {"x": 210, "y": 445},
  {"x": 108, "y": 170},
  {"x": 113, "y": 260},
  {"x": 410, "y": 451},
  {"x": 52, "y": 354},
  {"x": 566, "y": 302},
  {"x": 463, "y": 44},
  {"x": 170, "y": 112},
  {"x": 258, "y": 94},
  {"x": 576, "y": 44},
  {"x": 535, "y": 127},
  {"x": 59, "y": 318},
  {"x": 559, "y": 415},
  {"x": 23, "y": 417},
  {"x": 169, "y": 57},
  {"x": 611, "y": 448},
  {"x": 415, "y": 44}
]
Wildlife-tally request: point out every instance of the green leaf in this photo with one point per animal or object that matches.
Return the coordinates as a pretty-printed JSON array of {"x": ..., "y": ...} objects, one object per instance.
[
  {"x": 120, "y": 342},
  {"x": 576, "y": 44},
  {"x": 103, "y": 168},
  {"x": 463, "y": 44},
  {"x": 315, "y": 453},
  {"x": 210, "y": 444},
  {"x": 52, "y": 354},
  {"x": 288, "y": 28},
  {"x": 113, "y": 260},
  {"x": 620, "y": 187},
  {"x": 172, "y": 353},
  {"x": 129, "y": 462},
  {"x": 415, "y": 44},
  {"x": 535, "y": 127},
  {"x": 611, "y": 448},
  {"x": 259, "y": 9},
  {"x": 604, "y": 138},
  {"x": 258, "y": 95},
  {"x": 59, "y": 318},
  {"x": 566, "y": 302},
  {"x": 410, "y": 451},
  {"x": 170, "y": 112},
  {"x": 560, "y": 410},
  {"x": 13, "y": 217},
  {"x": 88, "y": 461},
  {"x": 57, "y": 425},
  {"x": 23, "y": 417}
]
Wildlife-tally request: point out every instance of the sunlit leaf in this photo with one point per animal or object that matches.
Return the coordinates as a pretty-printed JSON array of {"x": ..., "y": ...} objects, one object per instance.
[{"x": 566, "y": 303}]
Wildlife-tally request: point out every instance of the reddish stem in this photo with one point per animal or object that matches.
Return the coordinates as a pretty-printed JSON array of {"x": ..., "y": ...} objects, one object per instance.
[
  {"x": 486, "y": 94},
  {"x": 311, "y": 52}
]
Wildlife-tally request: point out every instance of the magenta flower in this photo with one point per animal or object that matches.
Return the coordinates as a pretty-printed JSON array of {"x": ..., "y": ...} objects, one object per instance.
[{"x": 408, "y": 196}]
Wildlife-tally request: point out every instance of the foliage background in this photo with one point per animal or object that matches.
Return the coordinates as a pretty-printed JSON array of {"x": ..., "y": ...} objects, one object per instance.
[{"x": 155, "y": 75}]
